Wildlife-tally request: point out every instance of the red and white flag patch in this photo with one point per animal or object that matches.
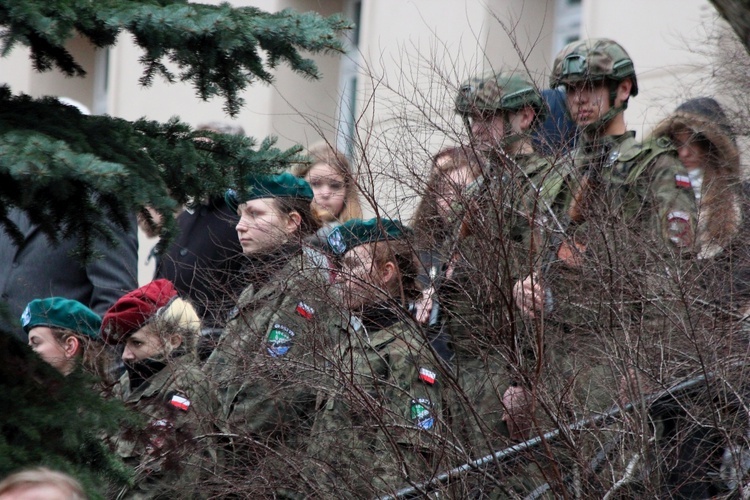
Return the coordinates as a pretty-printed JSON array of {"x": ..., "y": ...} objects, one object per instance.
[
  {"x": 305, "y": 311},
  {"x": 180, "y": 402},
  {"x": 682, "y": 181},
  {"x": 427, "y": 376}
]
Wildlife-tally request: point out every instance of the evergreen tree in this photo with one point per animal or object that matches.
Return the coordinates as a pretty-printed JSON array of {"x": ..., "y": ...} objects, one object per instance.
[{"x": 71, "y": 172}]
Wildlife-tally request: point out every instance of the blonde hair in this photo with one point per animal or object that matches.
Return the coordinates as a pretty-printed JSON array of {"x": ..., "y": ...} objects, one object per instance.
[
  {"x": 178, "y": 317},
  {"x": 323, "y": 153},
  {"x": 42, "y": 476}
]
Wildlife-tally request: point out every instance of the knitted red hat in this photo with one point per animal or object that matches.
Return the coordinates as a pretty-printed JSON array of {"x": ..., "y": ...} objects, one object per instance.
[{"x": 135, "y": 309}]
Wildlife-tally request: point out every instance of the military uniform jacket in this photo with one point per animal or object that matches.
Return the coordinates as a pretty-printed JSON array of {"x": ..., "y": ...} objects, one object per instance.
[
  {"x": 630, "y": 211},
  {"x": 273, "y": 343},
  {"x": 165, "y": 453},
  {"x": 379, "y": 415},
  {"x": 492, "y": 251}
]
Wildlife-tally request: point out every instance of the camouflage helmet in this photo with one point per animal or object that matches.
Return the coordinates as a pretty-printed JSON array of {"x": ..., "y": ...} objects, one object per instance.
[
  {"x": 493, "y": 92},
  {"x": 592, "y": 60}
]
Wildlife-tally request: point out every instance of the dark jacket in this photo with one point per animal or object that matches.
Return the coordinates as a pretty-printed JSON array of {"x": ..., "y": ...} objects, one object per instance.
[
  {"x": 204, "y": 261},
  {"x": 37, "y": 269}
]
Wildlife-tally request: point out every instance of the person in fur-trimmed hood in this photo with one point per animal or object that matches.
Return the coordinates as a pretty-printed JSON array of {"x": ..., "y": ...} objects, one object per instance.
[{"x": 700, "y": 130}]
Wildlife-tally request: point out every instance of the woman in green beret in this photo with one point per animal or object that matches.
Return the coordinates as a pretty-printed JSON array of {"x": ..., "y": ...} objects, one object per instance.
[
  {"x": 64, "y": 333},
  {"x": 264, "y": 366}
]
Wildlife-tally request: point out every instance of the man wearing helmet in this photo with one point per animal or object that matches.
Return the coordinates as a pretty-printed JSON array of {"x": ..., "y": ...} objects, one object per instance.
[
  {"x": 491, "y": 250},
  {"x": 612, "y": 299}
]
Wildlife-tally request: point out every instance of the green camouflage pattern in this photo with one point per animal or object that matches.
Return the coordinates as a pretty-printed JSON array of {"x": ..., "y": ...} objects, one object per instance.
[
  {"x": 166, "y": 455},
  {"x": 487, "y": 334},
  {"x": 274, "y": 342},
  {"x": 494, "y": 92},
  {"x": 379, "y": 414},
  {"x": 592, "y": 60}
]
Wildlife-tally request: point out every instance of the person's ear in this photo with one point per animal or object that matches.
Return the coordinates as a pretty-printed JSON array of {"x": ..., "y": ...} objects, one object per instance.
[
  {"x": 294, "y": 221},
  {"x": 387, "y": 273},
  {"x": 175, "y": 341},
  {"x": 527, "y": 115},
  {"x": 624, "y": 88},
  {"x": 70, "y": 346}
]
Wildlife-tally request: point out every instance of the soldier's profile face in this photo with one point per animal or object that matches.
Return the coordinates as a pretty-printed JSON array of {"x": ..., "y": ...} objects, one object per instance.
[
  {"x": 43, "y": 341},
  {"x": 587, "y": 101},
  {"x": 143, "y": 344},
  {"x": 262, "y": 226},
  {"x": 359, "y": 276},
  {"x": 488, "y": 129}
]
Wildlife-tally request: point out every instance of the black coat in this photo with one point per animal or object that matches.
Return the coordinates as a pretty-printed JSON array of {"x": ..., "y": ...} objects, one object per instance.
[
  {"x": 37, "y": 270},
  {"x": 205, "y": 260}
]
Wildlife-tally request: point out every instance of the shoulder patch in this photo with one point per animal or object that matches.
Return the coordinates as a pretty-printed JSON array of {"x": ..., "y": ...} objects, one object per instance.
[
  {"x": 427, "y": 376},
  {"x": 682, "y": 181},
  {"x": 678, "y": 228},
  {"x": 180, "y": 402},
  {"x": 279, "y": 340},
  {"x": 305, "y": 310},
  {"x": 421, "y": 413}
]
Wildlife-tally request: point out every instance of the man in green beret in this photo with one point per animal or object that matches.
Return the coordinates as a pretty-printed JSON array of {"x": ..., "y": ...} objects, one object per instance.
[
  {"x": 63, "y": 332},
  {"x": 379, "y": 415}
]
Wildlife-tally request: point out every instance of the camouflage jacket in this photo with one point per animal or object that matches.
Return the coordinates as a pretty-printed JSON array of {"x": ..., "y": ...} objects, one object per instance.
[
  {"x": 630, "y": 214},
  {"x": 274, "y": 340},
  {"x": 167, "y": 452},
  {"x": 379, "y": 414},
  {"x": 494, "y": 247}
]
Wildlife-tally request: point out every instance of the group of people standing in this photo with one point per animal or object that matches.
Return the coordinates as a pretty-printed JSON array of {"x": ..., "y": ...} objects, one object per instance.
[{"x": 534, "y": 293}]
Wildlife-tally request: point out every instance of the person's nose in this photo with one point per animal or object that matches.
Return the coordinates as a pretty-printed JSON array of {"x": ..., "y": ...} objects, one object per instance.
[
  {"x": 127, "y": 354},
  {"x": 242, "y": 225}
]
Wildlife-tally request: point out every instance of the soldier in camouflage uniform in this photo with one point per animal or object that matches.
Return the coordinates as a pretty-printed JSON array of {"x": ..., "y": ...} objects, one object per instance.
[
  {"x": 164, "y": 384},
  {"x": 379, "y": 414},
  {"x": 494, "y": 246},
  {"x": 264, "y": 367},
  {"x": 611, "y": 297}
]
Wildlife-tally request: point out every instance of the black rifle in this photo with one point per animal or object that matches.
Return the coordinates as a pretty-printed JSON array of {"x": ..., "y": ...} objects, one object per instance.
[{"x": 668, "y": 396}]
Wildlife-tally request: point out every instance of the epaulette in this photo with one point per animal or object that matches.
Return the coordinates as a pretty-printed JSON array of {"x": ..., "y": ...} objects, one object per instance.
[{"x": 637, "y": 159}]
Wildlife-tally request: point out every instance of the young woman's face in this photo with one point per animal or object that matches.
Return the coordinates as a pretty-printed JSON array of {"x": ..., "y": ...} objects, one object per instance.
[
  {"x": 329, "y": 187},
  {"x": 262, "y": 227},
  {"x": 451, "y": 189},
  {"x": 143, "y": 344},
  {"x": 691, "y": 153},
  {"x": 44, "y": 342}
]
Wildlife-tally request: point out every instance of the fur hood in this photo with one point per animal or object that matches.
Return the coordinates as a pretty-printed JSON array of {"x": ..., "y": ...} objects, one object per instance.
[
  {"x": 704, "y": 116},
  {"x": 720, "y": 214}
]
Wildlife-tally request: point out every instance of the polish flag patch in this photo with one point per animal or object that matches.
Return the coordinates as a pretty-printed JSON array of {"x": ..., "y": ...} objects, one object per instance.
[
  {"x": 427, "y": 376},
  {"x": 682, "y": 181},
  {"x": 180, "y": 402},
  {"x": 305, "y": 311}
]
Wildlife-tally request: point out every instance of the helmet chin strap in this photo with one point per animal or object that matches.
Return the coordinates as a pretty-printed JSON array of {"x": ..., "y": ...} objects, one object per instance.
[{"x": 594, "y": 129}]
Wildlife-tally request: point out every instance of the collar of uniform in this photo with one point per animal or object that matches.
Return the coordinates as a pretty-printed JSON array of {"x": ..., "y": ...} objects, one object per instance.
[
  {"x": 154, "y": 384},
  {"x": 380, "y": 316}
]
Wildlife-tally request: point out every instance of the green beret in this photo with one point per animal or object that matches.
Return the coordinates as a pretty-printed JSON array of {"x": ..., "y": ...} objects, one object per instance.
[
  {"x": 270, "y": 186},
  {"x": 355, "y": 232},
  {"x": 57, "y": 312}
]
